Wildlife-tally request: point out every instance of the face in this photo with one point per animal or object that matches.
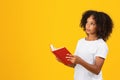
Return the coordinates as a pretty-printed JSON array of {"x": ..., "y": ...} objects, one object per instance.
[{"x": 90, "y": 26}]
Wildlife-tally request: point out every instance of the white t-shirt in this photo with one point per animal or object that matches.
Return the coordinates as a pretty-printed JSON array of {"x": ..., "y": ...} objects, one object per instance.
[{"x": 88, "y": 50}]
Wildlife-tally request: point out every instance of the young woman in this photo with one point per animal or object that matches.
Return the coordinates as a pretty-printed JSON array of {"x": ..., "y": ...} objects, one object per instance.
[{"x": 92, "y": 50}]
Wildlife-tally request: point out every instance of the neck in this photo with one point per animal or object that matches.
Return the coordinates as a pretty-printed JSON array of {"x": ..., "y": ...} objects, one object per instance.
[{"x": 91, "y": 37}]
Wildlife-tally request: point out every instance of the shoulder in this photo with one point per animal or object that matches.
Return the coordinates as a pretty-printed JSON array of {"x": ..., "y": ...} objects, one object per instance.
[
  {"x": 81, "y": 40},
  {"x": 102, "y": 43}
]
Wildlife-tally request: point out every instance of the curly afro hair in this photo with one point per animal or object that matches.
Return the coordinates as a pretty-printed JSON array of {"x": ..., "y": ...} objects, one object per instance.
[{"x": 103, "y": 21}]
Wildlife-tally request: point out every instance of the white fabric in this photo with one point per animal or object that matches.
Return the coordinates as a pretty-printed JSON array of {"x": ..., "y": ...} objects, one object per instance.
[{"x": 88, "y": 50}]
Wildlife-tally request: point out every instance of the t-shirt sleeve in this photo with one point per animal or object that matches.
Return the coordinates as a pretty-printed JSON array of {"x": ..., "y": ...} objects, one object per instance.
[{"x": 102, "y": 51}]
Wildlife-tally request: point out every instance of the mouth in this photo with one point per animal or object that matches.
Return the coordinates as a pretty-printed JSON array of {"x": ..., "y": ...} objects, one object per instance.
[{"x": 88, "y": 30}]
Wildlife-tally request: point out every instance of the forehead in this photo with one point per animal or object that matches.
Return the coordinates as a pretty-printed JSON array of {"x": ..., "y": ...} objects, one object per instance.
[{"x": 91, "y": 18}]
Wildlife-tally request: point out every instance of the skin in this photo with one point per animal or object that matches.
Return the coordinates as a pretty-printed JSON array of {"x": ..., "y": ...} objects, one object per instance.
[{"x": 95, "y": 68}]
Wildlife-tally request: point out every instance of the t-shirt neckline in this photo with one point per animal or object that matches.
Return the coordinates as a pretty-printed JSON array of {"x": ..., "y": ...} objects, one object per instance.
[{"x": 90, "y": 40}]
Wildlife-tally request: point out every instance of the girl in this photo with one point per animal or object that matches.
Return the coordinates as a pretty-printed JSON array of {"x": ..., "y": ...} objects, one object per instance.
[{"x": 92, "y": 50}]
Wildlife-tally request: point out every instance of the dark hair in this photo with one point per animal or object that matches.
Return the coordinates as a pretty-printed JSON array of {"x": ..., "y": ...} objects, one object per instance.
[{"x": 103, "y": 22}]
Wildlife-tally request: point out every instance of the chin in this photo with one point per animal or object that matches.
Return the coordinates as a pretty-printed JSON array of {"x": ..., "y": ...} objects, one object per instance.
[{"x": 87, "y": 32}]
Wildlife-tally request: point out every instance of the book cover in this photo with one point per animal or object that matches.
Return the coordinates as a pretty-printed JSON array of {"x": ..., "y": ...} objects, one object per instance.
[{"x": 61, "y": 54}]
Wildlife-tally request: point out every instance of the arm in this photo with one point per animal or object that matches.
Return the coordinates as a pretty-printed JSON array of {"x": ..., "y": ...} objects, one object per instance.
[{"x": 94, "y": 68}]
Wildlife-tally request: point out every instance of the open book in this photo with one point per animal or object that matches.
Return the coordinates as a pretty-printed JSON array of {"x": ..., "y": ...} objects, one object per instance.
[{"x": 61, "y": 53}]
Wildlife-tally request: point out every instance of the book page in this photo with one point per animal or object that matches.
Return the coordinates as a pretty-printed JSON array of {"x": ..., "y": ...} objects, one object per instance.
[{"x": 53, "y": 48}]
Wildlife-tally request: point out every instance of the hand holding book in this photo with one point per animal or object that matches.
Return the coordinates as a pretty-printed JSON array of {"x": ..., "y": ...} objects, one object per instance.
[{"x": 61, "y": 54}]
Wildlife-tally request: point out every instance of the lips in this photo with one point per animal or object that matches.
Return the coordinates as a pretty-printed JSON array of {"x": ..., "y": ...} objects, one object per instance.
[{"x": 88, "y": 30}]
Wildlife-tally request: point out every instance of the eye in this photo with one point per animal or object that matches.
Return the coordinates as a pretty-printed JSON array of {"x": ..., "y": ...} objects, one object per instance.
[{"x": 92, "y": 24}]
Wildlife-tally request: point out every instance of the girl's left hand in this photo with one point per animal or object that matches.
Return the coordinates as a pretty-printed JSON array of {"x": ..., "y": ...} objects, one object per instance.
[{"x": 73, "y": 58}]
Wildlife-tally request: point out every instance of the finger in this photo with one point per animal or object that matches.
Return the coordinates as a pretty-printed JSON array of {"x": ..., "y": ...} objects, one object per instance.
[
  {"x": 68, "y": 59},
  {"x": 69, "y": 55}
]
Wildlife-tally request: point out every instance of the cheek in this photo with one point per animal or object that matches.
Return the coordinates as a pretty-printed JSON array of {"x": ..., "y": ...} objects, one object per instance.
[
  {"x": 94, "y": 29},
  {"x": 86, "y": 27}
]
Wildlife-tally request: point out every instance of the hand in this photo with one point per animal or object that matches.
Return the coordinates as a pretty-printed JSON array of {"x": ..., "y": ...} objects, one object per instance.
[{"x": 73, "y": 58}]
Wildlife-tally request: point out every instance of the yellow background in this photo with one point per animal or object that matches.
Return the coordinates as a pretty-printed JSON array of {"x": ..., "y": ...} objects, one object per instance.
[{"x": 27, "y": 27}]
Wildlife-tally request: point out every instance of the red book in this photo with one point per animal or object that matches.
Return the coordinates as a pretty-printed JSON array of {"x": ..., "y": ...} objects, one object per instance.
[{"x": 61, "y": 54}]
